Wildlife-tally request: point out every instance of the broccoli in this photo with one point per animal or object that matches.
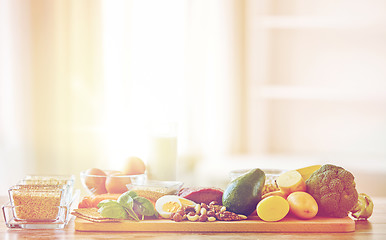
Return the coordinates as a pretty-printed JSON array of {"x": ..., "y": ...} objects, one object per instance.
[{"x": 334, "y": 190}]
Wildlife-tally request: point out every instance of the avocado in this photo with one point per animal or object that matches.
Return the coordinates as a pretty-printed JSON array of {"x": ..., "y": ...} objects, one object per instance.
[{"x": 243, "y": 193}]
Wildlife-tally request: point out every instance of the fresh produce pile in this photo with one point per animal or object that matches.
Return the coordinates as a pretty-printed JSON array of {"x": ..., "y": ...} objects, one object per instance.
[{"x": 326, "y": 190}]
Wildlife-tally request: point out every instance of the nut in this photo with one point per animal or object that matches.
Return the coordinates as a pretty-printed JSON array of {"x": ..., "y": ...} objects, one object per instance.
[
  {"x": 177, "y": 217},
  {"x": 210, "y": 213},
  {"x": 191, "y": 213},
  {"x": 203, "y": 205},
  {"x": 181, "y": 212},
  {"x": 270, "y": 187},
  {"x": 203, "y": 211},
  {"x": 197, "y": 208},
  {"x": 226, "y": 213},
  {"x": 229, "y": 216},
  {"x": 206, "y": 213},
  {"x": 203, "y": 218},
  {"x": 189, "y": 209},
  {"x": 215, "y": 208},
  {"x": 192, "y": 218}
]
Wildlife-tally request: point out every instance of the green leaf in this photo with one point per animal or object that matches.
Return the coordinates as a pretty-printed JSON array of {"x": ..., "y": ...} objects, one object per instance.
[
  {"x": 131, "y": 213},
  {"x": 126, "y": 200},
  {"x": 143, "y": 206},
  {"x": 106, "y": 203},
  {"x": 131, "y": 194},
  {"x": 113, "y": 210}
]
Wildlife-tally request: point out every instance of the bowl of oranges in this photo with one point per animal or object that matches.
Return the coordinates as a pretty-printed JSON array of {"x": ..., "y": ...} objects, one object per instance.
[{"x": 97, "y": 181}]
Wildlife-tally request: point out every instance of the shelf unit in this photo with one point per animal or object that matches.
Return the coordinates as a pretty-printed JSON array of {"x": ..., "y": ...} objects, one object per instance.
[
  {"x": 316, "y": 22},
  {"x": 319, "y": 93},
  {"x": 329, "y": 57}
]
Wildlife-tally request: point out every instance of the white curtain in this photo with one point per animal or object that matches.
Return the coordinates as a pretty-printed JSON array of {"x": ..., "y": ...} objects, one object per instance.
[
  {"x": 80, "y": 81},
  {"x": 169, "y": 61},
  {"x": 15, "y": 131}
]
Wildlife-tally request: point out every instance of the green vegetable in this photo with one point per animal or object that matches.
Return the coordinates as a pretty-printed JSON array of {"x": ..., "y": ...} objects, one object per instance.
[
  {"x": 106, "y": 203},
  {"x": 144, "y": 207},
  {"x": 112, "y": 209},
  {"x": 364, "y": 207},
  {"x": 126, "y": 196},
  {"x": 244, "y": 193},
  {"x": 127, "y": 202},
  {"x": 334, "y": 190},
  {"x": 127, "y": 206}
]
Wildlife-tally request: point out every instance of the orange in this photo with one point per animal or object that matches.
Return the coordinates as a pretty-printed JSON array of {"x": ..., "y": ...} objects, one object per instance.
[
  {"x": 95, "y": 180},
  {"x": 134, "y": 166},
  {"x": 116, "y": 183}
]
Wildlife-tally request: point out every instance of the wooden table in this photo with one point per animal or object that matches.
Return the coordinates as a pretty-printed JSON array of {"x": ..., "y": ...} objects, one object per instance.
[{"x": 375, "y": 228}]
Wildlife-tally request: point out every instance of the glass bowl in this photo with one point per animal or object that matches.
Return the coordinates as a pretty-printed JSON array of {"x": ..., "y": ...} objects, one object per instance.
[
  {"x": 49, "y": 180},
  {"x": 110, "y": 183},
  {"x": 38, "y": 202},
  {"x": 152, "y": 189},
  {"x": 61, "y": 181},
  {"x": 270, "y": 178},
  {"x": 38, "y": 207}
]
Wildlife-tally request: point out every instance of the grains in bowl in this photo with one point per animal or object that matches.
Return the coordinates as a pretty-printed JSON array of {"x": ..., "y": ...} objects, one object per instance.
[{"x": 36, "y": 203}]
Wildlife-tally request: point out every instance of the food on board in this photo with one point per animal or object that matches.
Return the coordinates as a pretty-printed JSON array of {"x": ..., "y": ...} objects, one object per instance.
[
  {"x": 291, "y": 181},
  {"x": 333, "y": 188},
  {"x": 272, "y": 209},
  {"x": 275, "y": 193},
  {"x": 305, "y": 192},
  {"x": 168, "y": 204},
  {"x": 202, "y": 194},
  {"x": 243, "y": 193},
  {"x": 307, "y": 171},
  {"x": 128, "y": 206},
  {"x": 302, "y": 205},
  {"x": 364, "y": 207},
  {"x": 92, "y": 201},
  {"x": 202, "y": 212}
]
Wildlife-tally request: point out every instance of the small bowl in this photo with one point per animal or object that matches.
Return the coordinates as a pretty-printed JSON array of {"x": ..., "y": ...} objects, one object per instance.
[
  {"x": 152, "y": 189},
  {"x": 49, "y": 179},
  {"x": 38, "y": 202},
  {"x": 61, "y": 181},
  {"x": 96, "y": 184},
  {"x": 270, "y": 178},
  {"x": 269, "y": 173}
]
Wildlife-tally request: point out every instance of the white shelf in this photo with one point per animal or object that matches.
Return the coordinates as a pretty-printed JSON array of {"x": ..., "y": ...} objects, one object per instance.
[
  {"x": 311, "y": 22},
  {"x": 320, "y": 93}
]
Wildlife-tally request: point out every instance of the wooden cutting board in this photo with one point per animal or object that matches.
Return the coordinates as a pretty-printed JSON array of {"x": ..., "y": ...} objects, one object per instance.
[{"x": 288, "y": 224}]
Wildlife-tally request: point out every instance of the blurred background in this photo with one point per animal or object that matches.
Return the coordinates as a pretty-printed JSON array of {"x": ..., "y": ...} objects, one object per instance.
[{"x": 251, "y": 83}]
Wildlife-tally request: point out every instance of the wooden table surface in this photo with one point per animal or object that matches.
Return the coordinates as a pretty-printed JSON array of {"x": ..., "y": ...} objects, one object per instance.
[{"x": 374, "y": 228}]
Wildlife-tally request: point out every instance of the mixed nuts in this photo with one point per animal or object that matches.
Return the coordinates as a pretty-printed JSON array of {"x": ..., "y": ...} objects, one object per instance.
[{"x": 206, "y": 213}]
